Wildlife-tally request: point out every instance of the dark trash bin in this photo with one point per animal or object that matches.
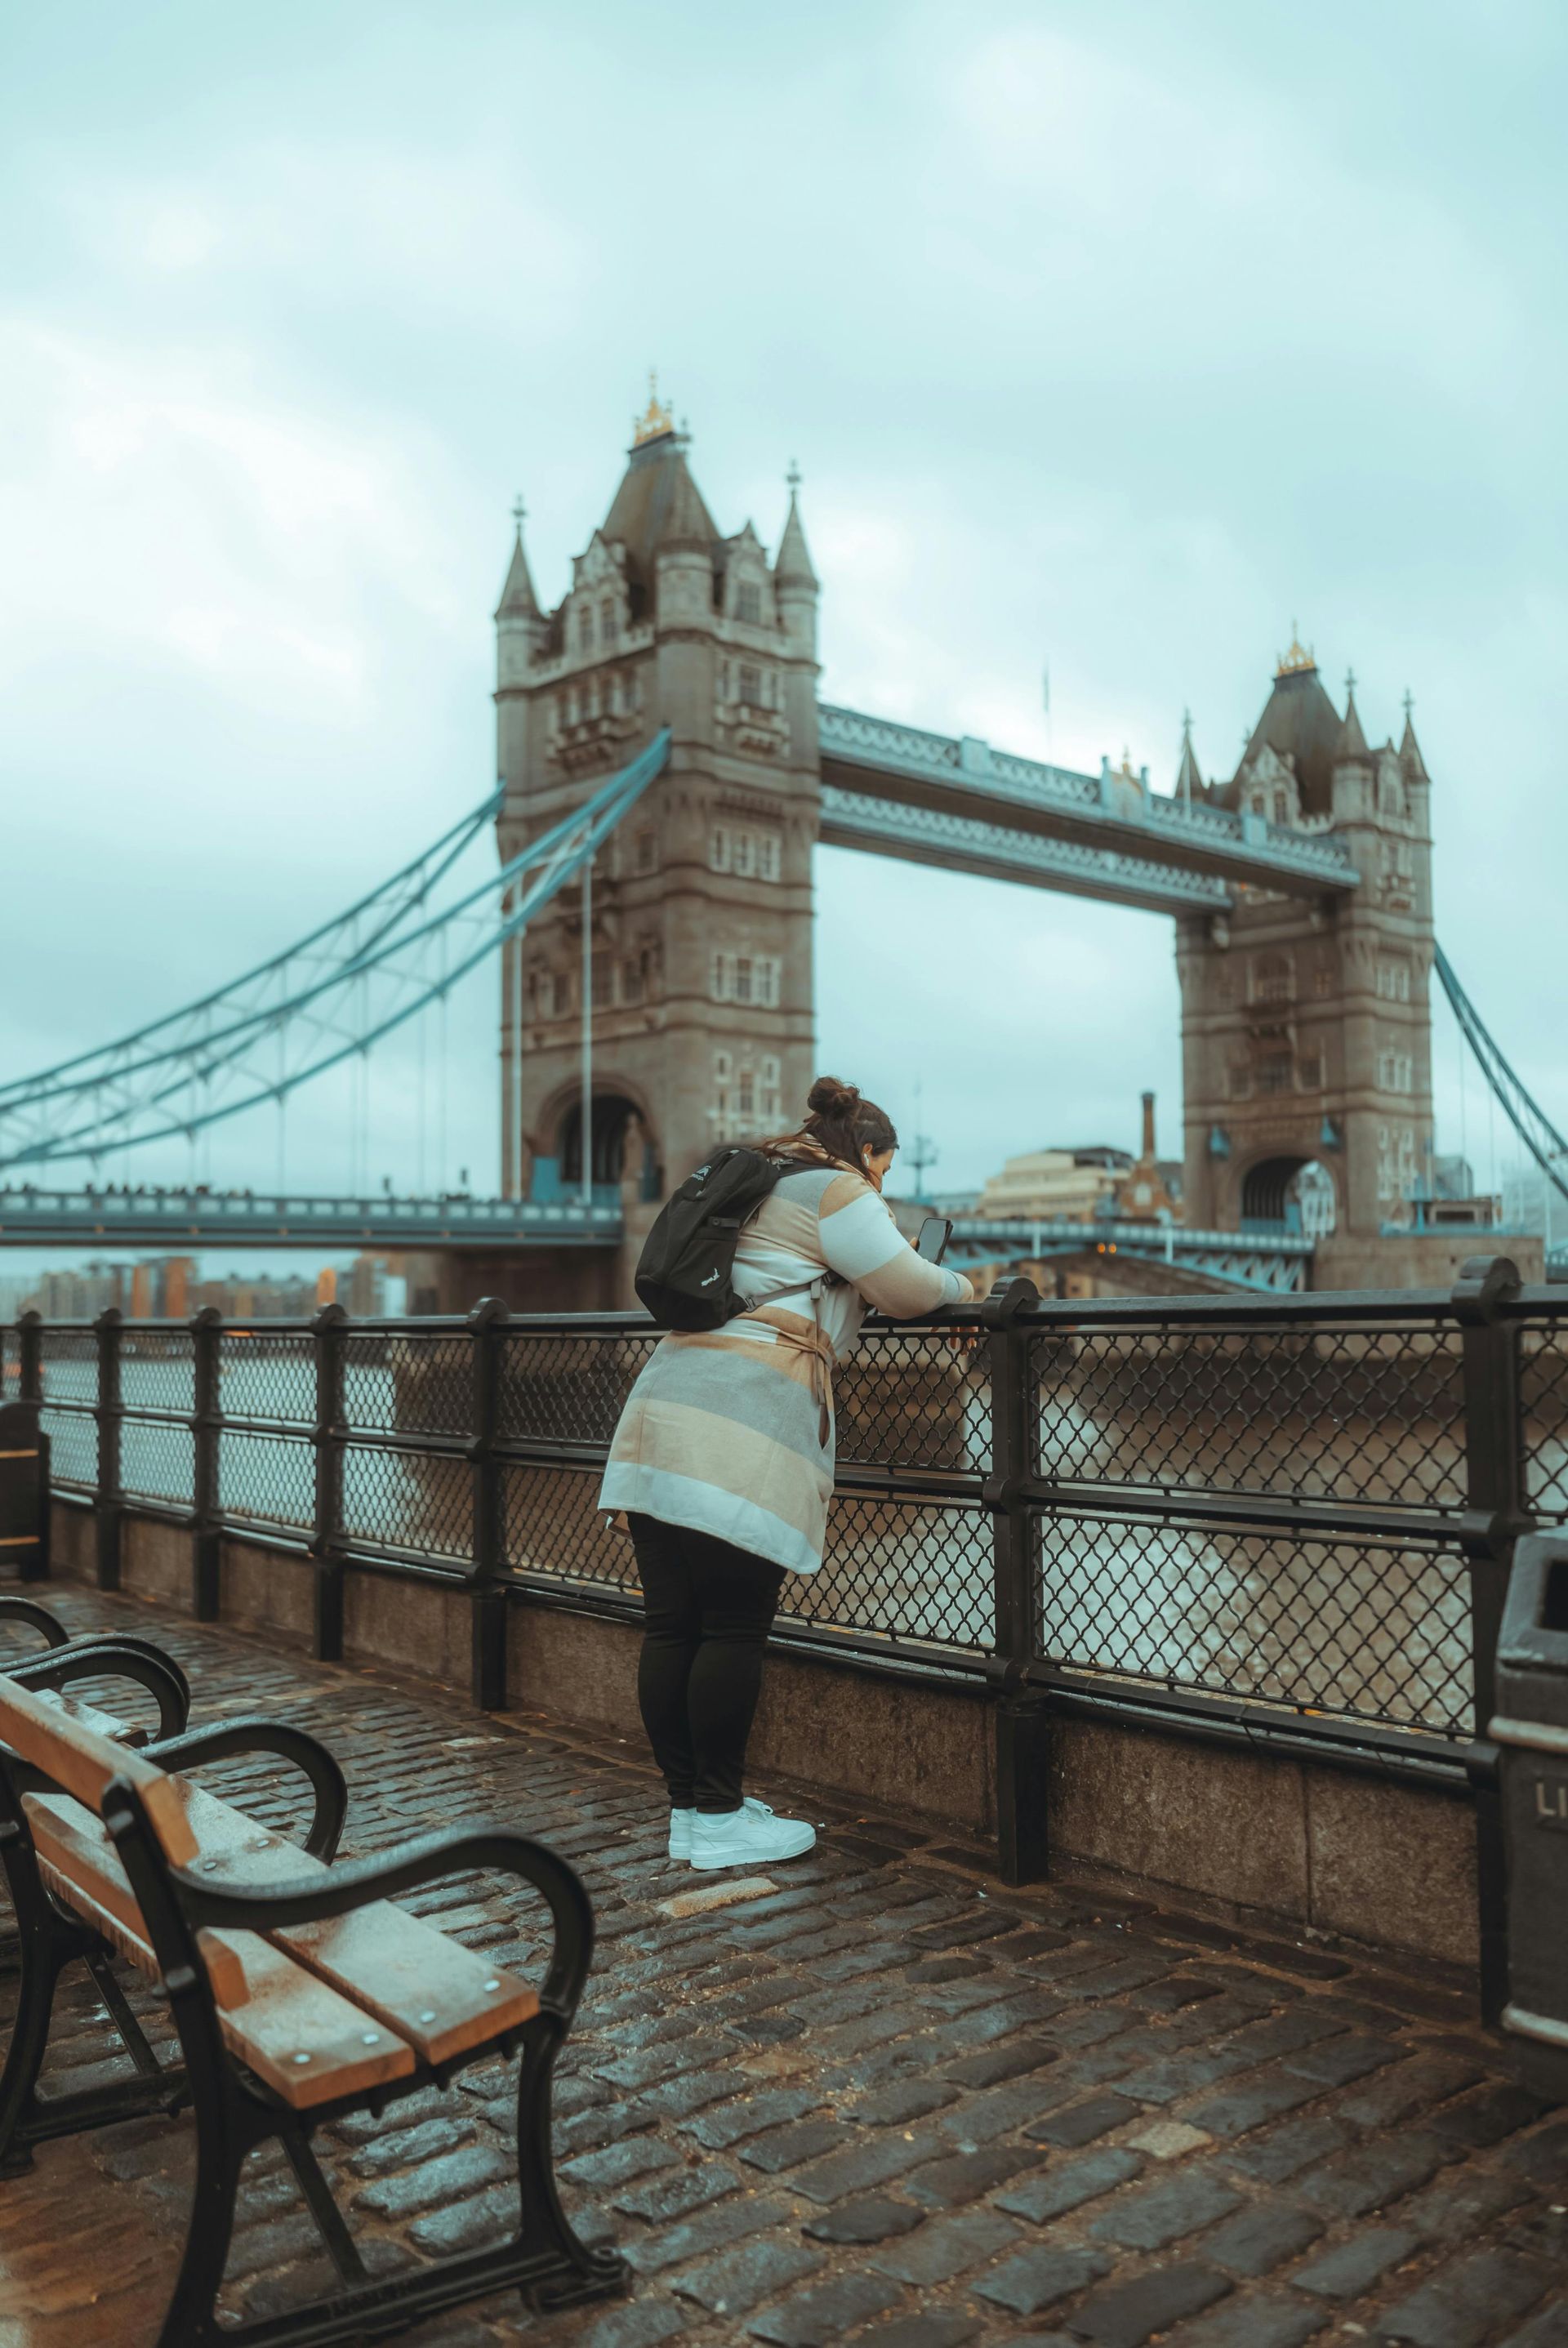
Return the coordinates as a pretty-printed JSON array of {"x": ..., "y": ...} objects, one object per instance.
[{"x": 1531, "y": 1732}]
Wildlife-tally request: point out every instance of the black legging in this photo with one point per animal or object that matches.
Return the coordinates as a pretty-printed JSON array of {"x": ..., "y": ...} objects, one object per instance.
[{"x": 708, "y": 1607}]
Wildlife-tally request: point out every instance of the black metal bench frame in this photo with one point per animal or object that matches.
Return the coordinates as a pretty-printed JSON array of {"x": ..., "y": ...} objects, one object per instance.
[{"x": 234, "y": 2111}]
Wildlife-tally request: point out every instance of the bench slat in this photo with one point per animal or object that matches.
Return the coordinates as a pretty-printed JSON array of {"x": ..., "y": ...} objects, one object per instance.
[
  {"x": 431, "y": 1988},
  {"x": 289, "y": 2013},
  {"x": 110, "y": 1907},
  {"x": 86, "y": 1763},
  {"x": 269, "y": 2009}
]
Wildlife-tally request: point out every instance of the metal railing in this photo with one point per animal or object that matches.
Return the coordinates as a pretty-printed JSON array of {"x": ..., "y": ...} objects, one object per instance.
[{"x": 1286, "y": 1520}]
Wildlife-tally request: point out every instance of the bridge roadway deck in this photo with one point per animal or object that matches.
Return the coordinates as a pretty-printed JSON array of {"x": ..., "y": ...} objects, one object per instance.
[
  {"x": 196, "y": 1217},
  {"x": 887, "y": 2102}
]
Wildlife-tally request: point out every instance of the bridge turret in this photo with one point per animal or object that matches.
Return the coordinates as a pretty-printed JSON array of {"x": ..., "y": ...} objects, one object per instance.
[
  {"x": 797, "y": 589},
  {"x": 1306, "y": 1030},
  {"x": 519, "y": 633},
  {"x": 701, "y": 953}
]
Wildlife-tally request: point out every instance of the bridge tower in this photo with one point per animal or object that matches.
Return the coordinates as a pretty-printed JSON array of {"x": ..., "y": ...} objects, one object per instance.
[
  {"x": 1307, "y": 1027},
  {"x": 701, "y": 901}
]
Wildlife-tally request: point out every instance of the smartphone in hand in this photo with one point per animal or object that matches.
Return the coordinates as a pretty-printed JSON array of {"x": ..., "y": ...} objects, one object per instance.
[{"x": 935, "y": 1234}]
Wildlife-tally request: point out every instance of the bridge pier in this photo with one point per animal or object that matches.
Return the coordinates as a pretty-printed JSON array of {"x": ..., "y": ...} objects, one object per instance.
[{"x": 525, "y": 1279}]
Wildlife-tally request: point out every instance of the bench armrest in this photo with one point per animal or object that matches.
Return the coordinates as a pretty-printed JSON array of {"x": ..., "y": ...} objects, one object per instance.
[
  {"x": 254, "y": 1736},
  {"x": 114, "y": 1658},
  {"x": 276, "y": 1907},
  {"x": 27, "y": 1610},
  {"x": 132, "y": 1643}
]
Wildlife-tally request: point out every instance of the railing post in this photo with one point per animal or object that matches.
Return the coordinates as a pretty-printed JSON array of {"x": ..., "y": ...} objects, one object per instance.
[
  {"x": 30, "y": 1356},
  {"x": 1021, "y": 1721},
  {"x": 328, "y": 1330},
  {"x": 486, "y": 1325},
  {"x": 109, "y": 1499},
  {"x": 1495, "y": 1489},
  {"x": 206, "y": 1430}
]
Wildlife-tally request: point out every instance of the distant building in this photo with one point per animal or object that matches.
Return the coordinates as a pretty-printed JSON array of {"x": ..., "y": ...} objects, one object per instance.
[
  {"x": 1056, "y": 1185},
  {"x": 366, "y": 1298}
]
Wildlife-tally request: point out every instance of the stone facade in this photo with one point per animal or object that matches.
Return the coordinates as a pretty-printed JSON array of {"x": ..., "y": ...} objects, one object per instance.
[
  {"x": 701, "y": 916},
  {"x": 1307, "y": 1027}
]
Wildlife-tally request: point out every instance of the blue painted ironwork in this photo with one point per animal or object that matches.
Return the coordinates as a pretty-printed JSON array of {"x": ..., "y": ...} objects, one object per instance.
[
  {"x": 1274, "y": 1264},
  {"x": 1526, "y": 1116},
  {"x": 231, "y": 1053},
  {"x": 195, "y": 1218},
  {"x": 961, "y": 843},
  {"x": 905, "y": 767}
]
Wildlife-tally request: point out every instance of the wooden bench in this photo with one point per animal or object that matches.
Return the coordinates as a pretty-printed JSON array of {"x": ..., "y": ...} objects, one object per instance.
[{"x": 298, "y": 1990}]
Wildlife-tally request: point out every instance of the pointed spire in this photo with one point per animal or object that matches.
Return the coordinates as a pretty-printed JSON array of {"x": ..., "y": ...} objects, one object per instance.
[
  {"x": 518, "y": 601},
  {"x": 793, "y": 566},
  {"x": 1410, "y": 756},
  {"x": 1189, "y": 781},
  {"x": 1352, "y": 742}
]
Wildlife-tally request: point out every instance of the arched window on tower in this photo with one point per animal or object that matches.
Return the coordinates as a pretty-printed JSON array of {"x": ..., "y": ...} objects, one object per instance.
[
  {"x": 1281, "y": 808},
  {"x": 608, "y": 629},
  {"x": 585, "y": 628},
  {"x": 748, "y": 603}
]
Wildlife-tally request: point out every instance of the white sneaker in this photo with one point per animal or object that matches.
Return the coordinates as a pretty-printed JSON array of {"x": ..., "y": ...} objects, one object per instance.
[
  {"x": 680, "y": 1826},
  {"x": 749, "y": 1836}
]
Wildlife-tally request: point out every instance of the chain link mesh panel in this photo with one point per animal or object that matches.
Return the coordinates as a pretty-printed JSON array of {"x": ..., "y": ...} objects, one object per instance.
[
  {"x": 265, "y": 1375},
  {"x": 1544, "y": 1401},
  {"x": 73, "y": 1446},
  {"x": 156, "y": 1369},
  {"x": 157, "y": 1460},
  {"x": 1337, "y": 1414},
  {"x": 566, "y": 1388},
  {"x": 916, "y": 1398},
  {"x": 267, "y": 1479},
  {"x": 903, "y": 1569},
  {"x": 1353, "y": 1628},
  {"x": 408, "y": 1385},
  {"x": 68, "y": 1364},
  {"x": 551, "y": 1525},
  {"x": 421, "y": 1501}
]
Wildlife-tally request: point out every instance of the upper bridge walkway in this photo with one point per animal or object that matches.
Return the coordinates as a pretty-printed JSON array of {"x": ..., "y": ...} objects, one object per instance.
[{"x": 956, "y": 801}]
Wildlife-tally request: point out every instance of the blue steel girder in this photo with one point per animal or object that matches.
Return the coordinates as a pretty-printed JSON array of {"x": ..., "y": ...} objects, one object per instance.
[
  {"x": 959, "y": 843},
  {"x": 905, "y": 765},
  {"x": 202, "y": 1218},
  {"x": 1257, "y": 1261}
]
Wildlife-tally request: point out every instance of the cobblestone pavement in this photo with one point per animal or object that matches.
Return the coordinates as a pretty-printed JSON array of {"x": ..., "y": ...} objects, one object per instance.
[{"x": 885, "y": 2102}]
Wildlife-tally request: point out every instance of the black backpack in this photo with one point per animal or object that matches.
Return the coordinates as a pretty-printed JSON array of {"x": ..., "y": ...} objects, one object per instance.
[{"x": 685, "y": 1272}]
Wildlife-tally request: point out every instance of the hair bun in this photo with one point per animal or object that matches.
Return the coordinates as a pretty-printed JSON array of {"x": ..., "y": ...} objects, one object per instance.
[{"x": 829, "y": 1098}]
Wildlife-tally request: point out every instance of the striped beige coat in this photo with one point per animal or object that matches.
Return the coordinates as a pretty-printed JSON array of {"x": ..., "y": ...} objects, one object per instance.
[{"x": 730, "y": 1430}]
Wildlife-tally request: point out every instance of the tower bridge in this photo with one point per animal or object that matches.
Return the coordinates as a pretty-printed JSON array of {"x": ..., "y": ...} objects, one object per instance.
[{"x": 667, "y": 770}]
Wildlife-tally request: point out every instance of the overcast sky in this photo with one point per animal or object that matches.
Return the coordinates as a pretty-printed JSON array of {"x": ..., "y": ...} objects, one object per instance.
[{"x": 1114, "y": 335}]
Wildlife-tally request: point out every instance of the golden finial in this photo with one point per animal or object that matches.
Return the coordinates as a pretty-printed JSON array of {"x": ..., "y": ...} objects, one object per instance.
[
  {"x": 1298, "y": 658},
  {"x": 656, "y": 419}
]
